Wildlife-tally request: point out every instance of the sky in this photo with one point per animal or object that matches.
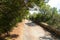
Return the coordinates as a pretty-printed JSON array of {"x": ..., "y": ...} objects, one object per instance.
[
  {"x": 32, "y": 10},
  {"x": 54, "y": 3}
]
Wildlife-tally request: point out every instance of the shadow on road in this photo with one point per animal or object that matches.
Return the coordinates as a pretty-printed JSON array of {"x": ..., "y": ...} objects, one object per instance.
[
  {"x": 14, "y": 36},
  {"x": 46, "y": 38},
  {"x": 30, "y": 24},
  {"x": 8, "y": 36}
]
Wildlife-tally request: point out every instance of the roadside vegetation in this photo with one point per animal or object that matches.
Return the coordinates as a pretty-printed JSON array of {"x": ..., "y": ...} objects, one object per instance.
[{"x": 47, "y": 15}]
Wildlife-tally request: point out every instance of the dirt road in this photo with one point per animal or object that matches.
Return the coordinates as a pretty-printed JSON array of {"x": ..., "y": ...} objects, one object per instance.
[{"x": 32, "y": 31}]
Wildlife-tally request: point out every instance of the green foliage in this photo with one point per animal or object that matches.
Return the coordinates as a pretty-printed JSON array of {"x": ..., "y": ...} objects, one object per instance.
[
  {"x": 11, "y": 12},
  {"x": 48, "y": 15}
]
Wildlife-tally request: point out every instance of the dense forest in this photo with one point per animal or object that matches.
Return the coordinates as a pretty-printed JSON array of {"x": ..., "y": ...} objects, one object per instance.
[
  {"x": 14, "y": 11},
  {"x": 48, "y": 15}
]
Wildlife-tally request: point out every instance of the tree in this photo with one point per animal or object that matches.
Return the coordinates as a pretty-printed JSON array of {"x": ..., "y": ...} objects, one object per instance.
[
  {"x": 13, "y": 11},
  {"x": 54, "y": 14}
]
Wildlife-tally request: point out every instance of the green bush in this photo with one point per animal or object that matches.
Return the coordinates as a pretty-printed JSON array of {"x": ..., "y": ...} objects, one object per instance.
[{"x": 11, "y": 12}]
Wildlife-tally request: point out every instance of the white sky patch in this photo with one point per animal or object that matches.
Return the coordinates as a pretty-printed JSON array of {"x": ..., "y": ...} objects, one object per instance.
[
  {"x": 54, "y": 3},
  {"x": 34, "y": 10}
]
